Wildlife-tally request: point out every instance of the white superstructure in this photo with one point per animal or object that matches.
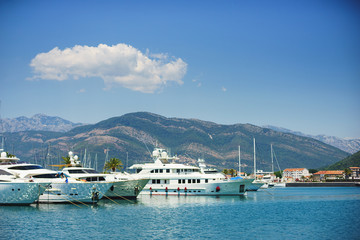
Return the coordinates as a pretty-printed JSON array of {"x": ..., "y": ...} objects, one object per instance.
[
  {"x": 170, "y": 178},
  {"x": 123, "y": 186}
]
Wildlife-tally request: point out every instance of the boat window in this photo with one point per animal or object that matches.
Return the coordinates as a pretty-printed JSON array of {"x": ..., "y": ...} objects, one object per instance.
[
  {"x": 101, "y": 179},
  {"x": 165, "y": 181},
  {"x": 179, "y": 181},
  {"x": 2, "y": 172},
  {"x": 194, "y": 180},
  {"x": 183, "y": 181},
  {"x": 138, "y": 170},
  {"x": 90, "y": 171},
  {"x": 206, "y": 180},
  {"x": 167, "y": 170},
  {"x": 242, "y": 188},
  {"x": 156, "y": 170},
  {"x": 178, "y": 170},
  {"x": 152, "y": 171},
  {"x": 198, "y": 180},
  {"x": 160, "y": 170},
  {"x": 51, "y": 175},
  {"x": 158, "y": 181},
  {"x": 76, "y": 171},
  {"x": 92, "y": 179},
  {"x": 189, "y": 180},
  {"x": 30, "y": 167},
  {"x": 153, "y": 181}
]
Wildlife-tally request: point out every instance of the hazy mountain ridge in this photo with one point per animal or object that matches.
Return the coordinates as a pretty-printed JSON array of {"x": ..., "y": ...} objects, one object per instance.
[
  {"x": 38, "y": 122},
  {"x": 137, "y": 134},
  {"x": 347, "y": 145}
]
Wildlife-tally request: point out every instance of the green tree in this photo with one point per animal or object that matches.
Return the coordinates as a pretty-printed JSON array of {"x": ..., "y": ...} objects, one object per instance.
[
  {"x": 113, "y": 164},
  {"x": 66, "y": 160},
  {"x": 278, "y": 174},
  {"x": 347, "y": 172},
  {"x": 225, "y": 171},
  {"x": 232, "y": 172}
]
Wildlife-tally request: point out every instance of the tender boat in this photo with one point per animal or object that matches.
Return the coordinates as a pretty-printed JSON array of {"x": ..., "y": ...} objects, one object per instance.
[
  {"x": 170, "y": 178},
  {"x": 62, "y": 189},
  {"x": 15, "y": 191},
  {"x": 124, "y": 186}
]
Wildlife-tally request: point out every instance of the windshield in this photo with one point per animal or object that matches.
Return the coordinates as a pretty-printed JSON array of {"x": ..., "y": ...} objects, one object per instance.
[{"x": 29, "y": 167}]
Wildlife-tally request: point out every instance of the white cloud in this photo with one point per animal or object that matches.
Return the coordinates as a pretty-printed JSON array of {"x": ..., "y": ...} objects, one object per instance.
[
  {"x": 119, "y": 64},
  {"x": 223, "y": 89}
]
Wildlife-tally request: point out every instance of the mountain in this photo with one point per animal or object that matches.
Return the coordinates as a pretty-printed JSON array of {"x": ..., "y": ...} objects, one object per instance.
[
  {"x": 135, "y": 134},
  {"x": 350, "y": 161},
  {"x": 347, "y": 145},
  {"x": 39, "y": 122}
]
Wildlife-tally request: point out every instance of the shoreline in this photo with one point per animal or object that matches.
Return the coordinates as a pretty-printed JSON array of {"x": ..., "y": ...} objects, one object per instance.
[{"x": 323, "y": 184}]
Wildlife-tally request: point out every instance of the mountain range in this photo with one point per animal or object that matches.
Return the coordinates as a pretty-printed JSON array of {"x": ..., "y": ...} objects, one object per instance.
[
  {"x": 40, "y": 122},
  {"x": 132, "y": 136},
  {"x": 347, "y": 145}
]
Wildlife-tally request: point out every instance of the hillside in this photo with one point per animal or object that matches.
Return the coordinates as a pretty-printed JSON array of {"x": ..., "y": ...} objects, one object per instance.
[
  {"x": 137, "y": 134},
  {"x": 350, "y": 161}
]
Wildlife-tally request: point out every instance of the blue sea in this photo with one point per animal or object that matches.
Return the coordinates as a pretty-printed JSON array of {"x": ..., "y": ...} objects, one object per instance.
[{"x": 278, "y": 213}]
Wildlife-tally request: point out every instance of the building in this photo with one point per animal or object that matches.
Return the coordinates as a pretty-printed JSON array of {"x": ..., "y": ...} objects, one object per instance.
[
  {"x": 295, "y": 173},
  {"x": 355, "y": 172},
  {"x": 328, "y": 175}
]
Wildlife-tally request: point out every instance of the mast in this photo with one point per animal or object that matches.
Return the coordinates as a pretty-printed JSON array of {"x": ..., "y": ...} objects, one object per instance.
[
  {"x": 254, "y": 159},
  {"x": 239, "y": 162},
  {"x": 272, "y": 160}
]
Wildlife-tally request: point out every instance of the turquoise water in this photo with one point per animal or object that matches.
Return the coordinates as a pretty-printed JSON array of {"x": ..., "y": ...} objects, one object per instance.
[{"x": 292, "y": 213}]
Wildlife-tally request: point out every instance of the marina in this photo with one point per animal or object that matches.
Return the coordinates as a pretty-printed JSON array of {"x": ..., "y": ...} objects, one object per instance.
[{"x": 293, "y": 213}]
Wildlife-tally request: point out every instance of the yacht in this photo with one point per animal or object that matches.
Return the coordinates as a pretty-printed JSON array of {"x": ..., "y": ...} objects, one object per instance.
[
  {"x": 170, "y": 178},
  {"x": 62, "y": 189},
  {"x": 16, "y": 191},
  {"x": 124, "y": 185}
]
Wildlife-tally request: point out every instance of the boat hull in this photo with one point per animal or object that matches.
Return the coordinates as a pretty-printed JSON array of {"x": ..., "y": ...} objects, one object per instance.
[
  {"x": 220, "y": 188},
  {"x": 84, "y": 192},
  {"x": 255, "y": 186},
  {"x": 127, "y": 189},
  {"x": 20, "y": 193}
]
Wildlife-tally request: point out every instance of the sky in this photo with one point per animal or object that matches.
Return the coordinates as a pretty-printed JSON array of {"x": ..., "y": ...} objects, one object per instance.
[{"x": 291, "y": 64}]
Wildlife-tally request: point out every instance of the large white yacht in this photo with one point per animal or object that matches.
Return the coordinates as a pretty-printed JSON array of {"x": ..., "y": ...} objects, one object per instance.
[
  {"x": 61, "y": 190},
  {"x": 170, "y": 178},
  {"x": 16, "y": 191},
  {"x": 124, "y": 186}
]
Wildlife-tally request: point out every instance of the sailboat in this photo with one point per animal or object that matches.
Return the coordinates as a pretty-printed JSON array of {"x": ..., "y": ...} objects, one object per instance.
[{"x": 256, "y": 184}]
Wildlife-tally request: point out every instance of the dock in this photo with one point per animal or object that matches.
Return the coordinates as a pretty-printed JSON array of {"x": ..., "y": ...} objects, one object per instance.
[{"x": 323, "y": 184}]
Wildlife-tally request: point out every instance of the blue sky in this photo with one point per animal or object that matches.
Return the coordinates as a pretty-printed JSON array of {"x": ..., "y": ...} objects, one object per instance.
[{"x": 292, "y": 64}]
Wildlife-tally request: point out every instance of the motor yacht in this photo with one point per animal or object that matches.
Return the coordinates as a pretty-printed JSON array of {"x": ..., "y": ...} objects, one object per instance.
[
  {"x": 62, "y": 189},
  {"x": 124, "y": 185},
  {"x": 170, "y": 178}
]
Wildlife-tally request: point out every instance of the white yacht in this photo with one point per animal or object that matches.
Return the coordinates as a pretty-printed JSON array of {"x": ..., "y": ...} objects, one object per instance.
[
  {"x": 124, "y": 186},
  {"x": 170, "y": 178},
  {"x": 15, "y": 191},
  {"x": 61, "y": 190}
]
